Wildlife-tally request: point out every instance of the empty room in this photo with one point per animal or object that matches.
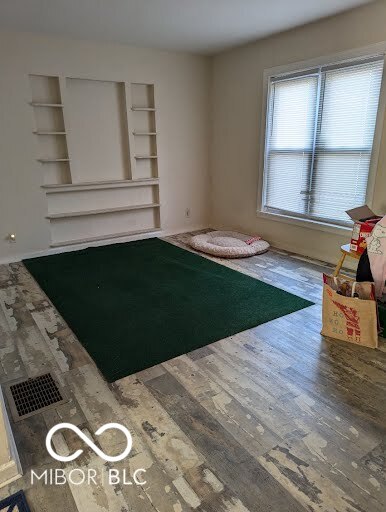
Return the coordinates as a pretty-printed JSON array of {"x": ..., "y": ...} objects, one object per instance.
[{"x": 193, "y": 256}]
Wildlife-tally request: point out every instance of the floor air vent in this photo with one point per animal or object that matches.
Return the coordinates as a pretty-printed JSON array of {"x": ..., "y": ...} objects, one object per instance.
[{"x": 31, "y": 396}]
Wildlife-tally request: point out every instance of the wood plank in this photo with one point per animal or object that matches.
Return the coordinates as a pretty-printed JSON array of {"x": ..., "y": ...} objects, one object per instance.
[
  {"x": 41, "y": 497},
  {"x": 263, "y": 405},
  {"x": 328, "y": 457},
  {"x": 30, "y": 435},
  {"x": 214, "y": 496},
  {"x": 306, "y": 484},
  {"x": 63, "y": 345},
  {"x": 100, "y": 406},
  {"x": 164, "y": 438},
  {"x": 254, "y": 485},
  {"x": 237, "y": 420}
]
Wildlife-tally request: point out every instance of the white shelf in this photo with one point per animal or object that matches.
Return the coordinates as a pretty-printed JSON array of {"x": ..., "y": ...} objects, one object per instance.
[
  {"x": 98, "y": 185},
  {"x": 84, "y": 213},
  {"x": 145, "y": 157},
  {"x": 105, "y": 237},
  {"x": 144, "y": 133},
  {"x": 52, "y": 105},
  {"x": 143, "y": 109},
  {"x": 49, "y": 133},
  {"x": 48, "y": 160}
]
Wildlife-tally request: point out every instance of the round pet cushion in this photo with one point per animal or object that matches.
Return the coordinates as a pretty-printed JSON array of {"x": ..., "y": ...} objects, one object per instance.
[{"x": 228, "y": 244}]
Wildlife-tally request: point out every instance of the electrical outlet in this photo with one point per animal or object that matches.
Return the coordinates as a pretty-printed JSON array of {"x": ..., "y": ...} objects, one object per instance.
[{"x": 187, "y": 213}]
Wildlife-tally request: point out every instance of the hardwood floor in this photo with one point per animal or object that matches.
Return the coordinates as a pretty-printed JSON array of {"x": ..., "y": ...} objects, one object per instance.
[{"x": 275, "y": 418}]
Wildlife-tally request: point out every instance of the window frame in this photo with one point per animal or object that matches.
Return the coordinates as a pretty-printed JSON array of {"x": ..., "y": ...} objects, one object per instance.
[{"x": 297, "y": 69}]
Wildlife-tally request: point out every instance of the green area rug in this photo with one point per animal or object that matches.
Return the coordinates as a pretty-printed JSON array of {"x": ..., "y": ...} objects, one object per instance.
[{"x": 136, "y": 304}]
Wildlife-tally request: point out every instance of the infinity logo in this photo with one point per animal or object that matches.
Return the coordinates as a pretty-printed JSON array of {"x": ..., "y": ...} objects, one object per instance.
[{"x": 93, "y": 446}]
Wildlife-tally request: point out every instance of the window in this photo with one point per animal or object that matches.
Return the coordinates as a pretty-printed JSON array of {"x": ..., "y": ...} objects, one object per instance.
[{"x": 319, "y": 138}]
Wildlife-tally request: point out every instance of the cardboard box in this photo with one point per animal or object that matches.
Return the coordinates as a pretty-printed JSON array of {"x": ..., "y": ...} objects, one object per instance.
[{"x": 364, "y": 222}]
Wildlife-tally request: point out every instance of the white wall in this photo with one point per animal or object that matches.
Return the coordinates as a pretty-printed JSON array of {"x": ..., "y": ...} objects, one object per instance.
[
  {"x": 182, "y": 84},
  {"x": 186, "y": 97},
  {"x": 236, "y": 129}
]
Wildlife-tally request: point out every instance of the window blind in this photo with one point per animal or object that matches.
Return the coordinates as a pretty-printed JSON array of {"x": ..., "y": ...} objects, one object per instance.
[{"x": 319, "y": 138}]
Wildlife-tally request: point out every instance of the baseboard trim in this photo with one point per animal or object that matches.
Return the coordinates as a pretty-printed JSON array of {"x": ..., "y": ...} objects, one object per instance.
[
  {"x": 313, "y": 255},
  {"x": 78, "y": 247},
  {"x": 316, "y": 254}
]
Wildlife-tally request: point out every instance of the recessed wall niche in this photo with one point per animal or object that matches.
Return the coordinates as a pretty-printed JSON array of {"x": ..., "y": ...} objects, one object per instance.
[
  {"x": 98, "y": 151},
  {"x": 99, "y": 134}
]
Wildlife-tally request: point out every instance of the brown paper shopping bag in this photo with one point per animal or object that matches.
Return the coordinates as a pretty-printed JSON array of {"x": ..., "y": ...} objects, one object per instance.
[{"x": 349, "y": 318}]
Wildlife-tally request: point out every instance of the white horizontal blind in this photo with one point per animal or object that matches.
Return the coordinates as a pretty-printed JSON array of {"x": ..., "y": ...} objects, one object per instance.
[
  {"x": 320, "y": 131},
  {"x": 290, "y": 142}
]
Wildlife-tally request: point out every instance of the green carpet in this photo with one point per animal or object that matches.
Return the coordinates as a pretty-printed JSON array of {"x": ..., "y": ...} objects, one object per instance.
[{"x": 136, "y": 304}]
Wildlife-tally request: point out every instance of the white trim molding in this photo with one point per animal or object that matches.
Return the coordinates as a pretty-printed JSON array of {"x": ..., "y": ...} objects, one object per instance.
[
  {"x": 77, "y": 247},
  {"x": 306, "y": 223},
  {"x": 302, "y": 66}
]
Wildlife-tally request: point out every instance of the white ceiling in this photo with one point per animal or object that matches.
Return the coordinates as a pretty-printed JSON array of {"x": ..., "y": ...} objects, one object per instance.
[{"x": 199, "y": 26}]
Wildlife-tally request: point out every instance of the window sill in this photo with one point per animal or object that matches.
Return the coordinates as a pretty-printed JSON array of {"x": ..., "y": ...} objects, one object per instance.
[{"x": 306, "y": 223}]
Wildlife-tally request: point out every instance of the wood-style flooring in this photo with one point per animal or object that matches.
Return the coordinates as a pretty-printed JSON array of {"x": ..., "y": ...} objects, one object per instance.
[{"x": 275, "y": 418}]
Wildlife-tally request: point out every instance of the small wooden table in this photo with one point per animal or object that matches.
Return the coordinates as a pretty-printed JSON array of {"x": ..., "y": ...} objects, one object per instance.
[{"x": 346, "y": 251}]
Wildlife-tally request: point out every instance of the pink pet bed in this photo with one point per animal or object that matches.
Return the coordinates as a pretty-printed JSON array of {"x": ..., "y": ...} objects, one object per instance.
[{"x": 229, "y": 244}]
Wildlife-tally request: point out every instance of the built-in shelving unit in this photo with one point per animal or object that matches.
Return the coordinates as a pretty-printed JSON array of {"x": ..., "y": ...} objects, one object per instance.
[{"x": 79, "y": 208}]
